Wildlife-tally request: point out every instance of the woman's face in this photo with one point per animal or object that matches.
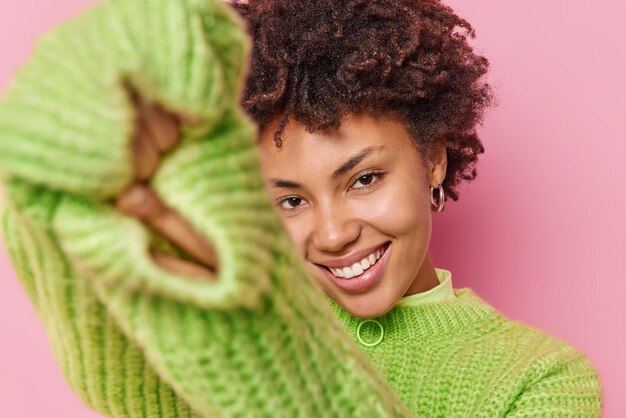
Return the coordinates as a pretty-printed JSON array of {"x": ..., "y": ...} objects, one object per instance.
[{"x": 356, "y": 201}]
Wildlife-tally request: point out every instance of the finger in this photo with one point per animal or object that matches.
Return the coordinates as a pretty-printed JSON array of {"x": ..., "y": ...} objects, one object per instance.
[
  {"x": 163, "y": 127},
  {"x": 141, "y": 202},
  {"x": 138, "y": 201},
  {"x": 181, "y": 233},
  {"x": 187, "y": 119},
  {"x": 146, "y": 156},
  {"x": 183, "y": 267}
]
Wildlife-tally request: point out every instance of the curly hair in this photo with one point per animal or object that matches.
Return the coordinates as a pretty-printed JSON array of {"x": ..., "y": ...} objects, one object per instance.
[{"x": 318, "y": 60}]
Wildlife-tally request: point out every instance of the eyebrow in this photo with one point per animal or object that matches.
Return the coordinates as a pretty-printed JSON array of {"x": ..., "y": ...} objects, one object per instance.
[{"x": 340, "y": 171}]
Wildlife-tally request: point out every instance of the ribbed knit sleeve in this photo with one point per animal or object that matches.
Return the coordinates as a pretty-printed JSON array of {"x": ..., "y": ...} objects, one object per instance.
[
  {"x": 102, "y": 365},
  {"x": 132, "y": 339},
  {"x": 561, "y": 382}
]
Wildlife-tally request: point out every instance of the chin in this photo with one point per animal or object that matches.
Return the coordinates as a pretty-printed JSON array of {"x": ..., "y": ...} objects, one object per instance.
[{"x": 358, "y": 307}]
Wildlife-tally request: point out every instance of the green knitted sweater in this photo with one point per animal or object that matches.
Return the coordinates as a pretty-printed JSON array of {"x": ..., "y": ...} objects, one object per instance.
[
  {"x": 462, "y": 358},
  {"x": 134, "y": 340}
]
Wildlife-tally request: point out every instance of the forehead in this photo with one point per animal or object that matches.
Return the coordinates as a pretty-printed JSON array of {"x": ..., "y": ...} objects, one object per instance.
[{"x": 301, "y": 148}]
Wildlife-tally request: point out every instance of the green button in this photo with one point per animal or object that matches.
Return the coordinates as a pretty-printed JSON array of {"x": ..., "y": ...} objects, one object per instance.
[{"x": 359, "y": 333}]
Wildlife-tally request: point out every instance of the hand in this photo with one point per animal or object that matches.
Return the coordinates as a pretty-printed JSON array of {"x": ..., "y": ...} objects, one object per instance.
[{"x": 157, "y": 131}]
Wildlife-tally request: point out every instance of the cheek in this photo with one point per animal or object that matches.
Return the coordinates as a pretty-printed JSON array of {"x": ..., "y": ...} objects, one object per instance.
[
  {"x": 399, "y": 211},
  {"x": 297, "y": 232}
]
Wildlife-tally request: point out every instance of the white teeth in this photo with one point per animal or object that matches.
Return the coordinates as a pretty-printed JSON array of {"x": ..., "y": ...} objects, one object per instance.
[
  {"x": 358, "y": 268},
  {"x": 365, "y": 264}
]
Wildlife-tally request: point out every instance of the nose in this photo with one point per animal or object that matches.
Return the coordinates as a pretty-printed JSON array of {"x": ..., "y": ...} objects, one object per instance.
[{"x": 334, "y": 229}]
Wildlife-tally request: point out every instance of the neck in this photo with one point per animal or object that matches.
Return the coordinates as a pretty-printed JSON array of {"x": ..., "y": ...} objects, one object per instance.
[{"x": 425, "y": 279}]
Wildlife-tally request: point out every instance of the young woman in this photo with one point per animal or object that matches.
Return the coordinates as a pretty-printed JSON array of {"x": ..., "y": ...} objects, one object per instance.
[{"x": 367, "y": 114}]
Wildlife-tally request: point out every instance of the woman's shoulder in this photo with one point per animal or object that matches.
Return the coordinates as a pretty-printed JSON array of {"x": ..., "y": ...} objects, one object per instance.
[
  {"x": 538, "y": 365},
  {"x": 511, "y": 366}
]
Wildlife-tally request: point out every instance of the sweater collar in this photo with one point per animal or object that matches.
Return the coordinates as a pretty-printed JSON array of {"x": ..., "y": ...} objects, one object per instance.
[
  {"x": 442, "y": 292},
  {"x": 462, "y": 314}
]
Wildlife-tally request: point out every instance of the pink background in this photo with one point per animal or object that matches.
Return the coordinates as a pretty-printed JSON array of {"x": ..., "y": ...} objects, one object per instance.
[{"x": 540, "y": 234}]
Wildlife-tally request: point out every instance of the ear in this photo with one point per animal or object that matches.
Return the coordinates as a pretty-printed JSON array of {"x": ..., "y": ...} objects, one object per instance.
[{"x": 438, "y": 165}]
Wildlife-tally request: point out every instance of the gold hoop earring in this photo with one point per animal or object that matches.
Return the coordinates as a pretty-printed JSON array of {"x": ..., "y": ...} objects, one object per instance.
[{"x": 442, "y": 199}]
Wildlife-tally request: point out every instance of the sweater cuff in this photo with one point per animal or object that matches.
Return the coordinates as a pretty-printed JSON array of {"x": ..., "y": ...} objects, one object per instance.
[
  {"x": 216, "y": 185},
  {"x": 66, "y": 120}
]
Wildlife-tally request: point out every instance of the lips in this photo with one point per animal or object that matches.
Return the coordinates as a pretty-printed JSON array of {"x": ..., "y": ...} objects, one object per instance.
[
  {"x": 352, "y": 258},
  {"x": 364, "y": 282}
]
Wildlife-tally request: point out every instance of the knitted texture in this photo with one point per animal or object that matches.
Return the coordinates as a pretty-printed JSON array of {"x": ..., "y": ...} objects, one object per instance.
[
  {"x": 462, "y": 358},
  {"x": 132, "y": 339},
  {"x": 262, "y": 340}
]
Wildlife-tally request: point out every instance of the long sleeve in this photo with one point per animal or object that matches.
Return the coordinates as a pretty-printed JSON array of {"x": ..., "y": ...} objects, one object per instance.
[
  {"x": 105, "y": 368},
  {"x": 563, "y": 383},
  {"x": 130, "y": 338}
]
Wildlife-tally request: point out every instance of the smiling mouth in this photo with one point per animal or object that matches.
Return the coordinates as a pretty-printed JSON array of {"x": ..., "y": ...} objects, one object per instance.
[{"x": 358, "y": 268}]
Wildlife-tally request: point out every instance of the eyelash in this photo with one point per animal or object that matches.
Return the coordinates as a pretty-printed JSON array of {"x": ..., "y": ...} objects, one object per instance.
[{"x": 376, "y": 174}]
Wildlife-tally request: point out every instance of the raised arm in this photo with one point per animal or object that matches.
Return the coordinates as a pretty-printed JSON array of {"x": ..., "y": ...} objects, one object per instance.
[{"x": 132, "y": 335}]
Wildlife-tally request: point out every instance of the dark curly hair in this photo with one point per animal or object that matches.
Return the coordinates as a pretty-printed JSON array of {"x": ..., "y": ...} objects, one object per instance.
[{"x": 318, "y": 60}]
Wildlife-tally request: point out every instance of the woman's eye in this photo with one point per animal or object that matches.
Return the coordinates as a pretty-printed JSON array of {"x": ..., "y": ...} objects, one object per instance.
[
  {"x": 290, "y": 203},
  {"x": 367, "y": 179}
]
